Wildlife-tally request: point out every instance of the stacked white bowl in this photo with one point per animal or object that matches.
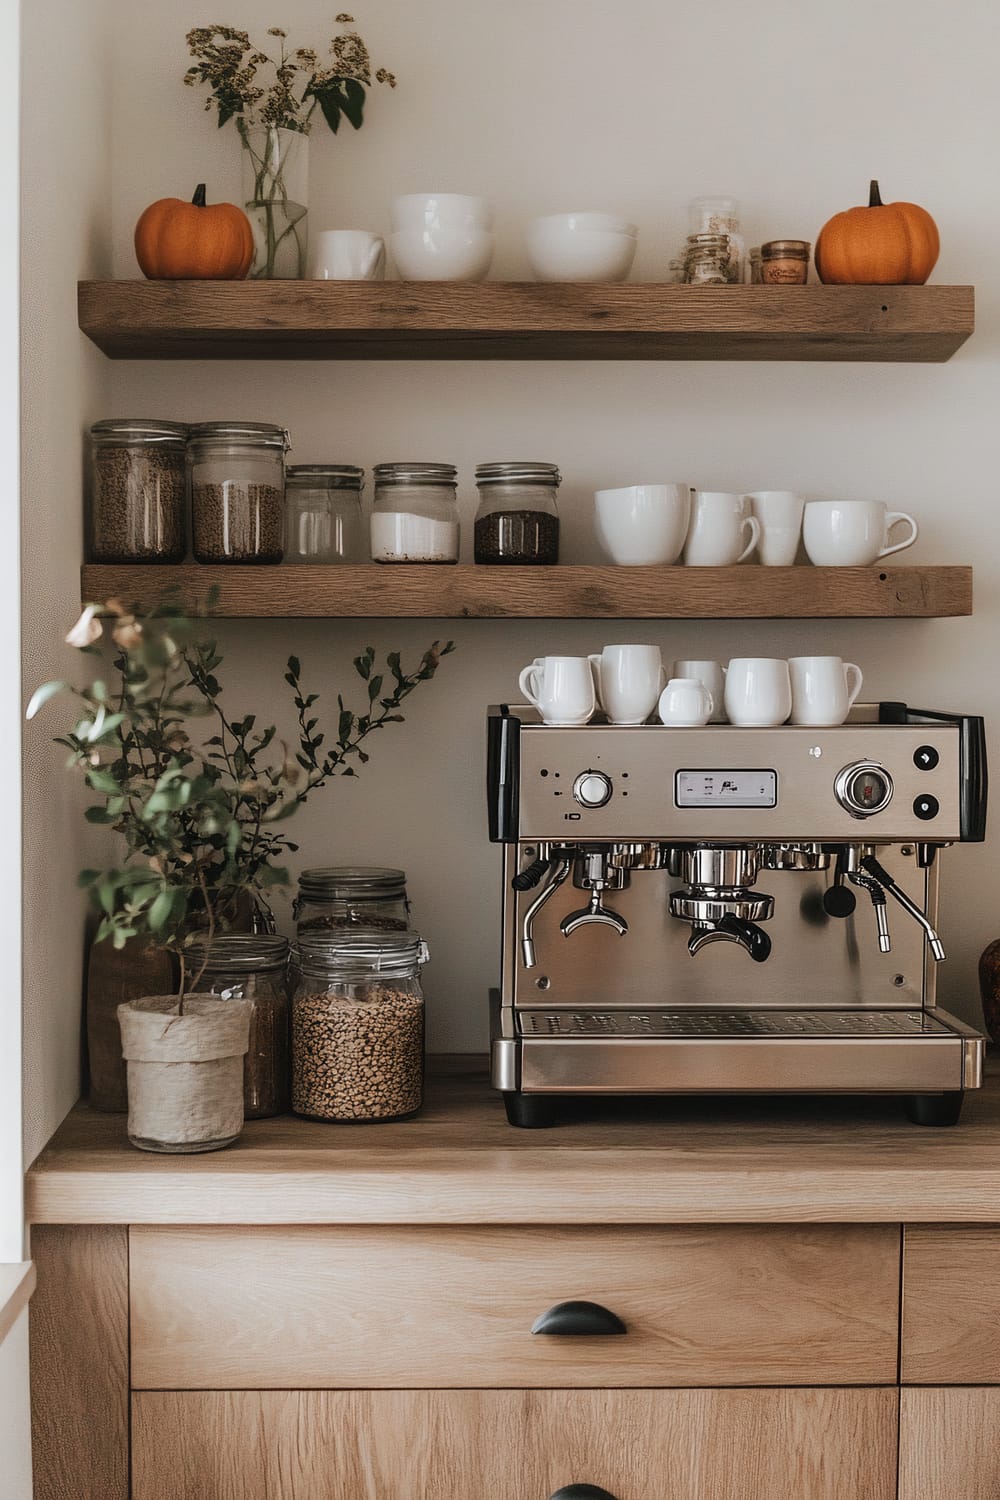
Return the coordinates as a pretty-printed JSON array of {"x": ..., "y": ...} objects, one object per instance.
[
  {"x": 587, "y": 246},
  {"x": 441, "y": 236}
]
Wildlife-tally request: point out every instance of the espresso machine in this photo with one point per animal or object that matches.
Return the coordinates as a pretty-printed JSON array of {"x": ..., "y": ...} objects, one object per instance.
[{"x": 729, "y": 910}]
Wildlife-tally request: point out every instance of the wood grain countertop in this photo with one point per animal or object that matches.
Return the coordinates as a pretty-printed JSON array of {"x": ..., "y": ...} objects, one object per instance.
[{"x": 723, "y": 1160}]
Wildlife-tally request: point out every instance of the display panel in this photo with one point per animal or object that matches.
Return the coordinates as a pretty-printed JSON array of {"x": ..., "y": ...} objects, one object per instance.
[{"x": 726, "y": 788}]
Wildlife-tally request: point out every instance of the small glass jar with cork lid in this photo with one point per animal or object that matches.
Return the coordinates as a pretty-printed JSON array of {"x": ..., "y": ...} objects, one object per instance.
[
  {"x": 358, "y": 1026},
  {"x": 415, "y": 513},
  {"x": 517, "y": 523}
]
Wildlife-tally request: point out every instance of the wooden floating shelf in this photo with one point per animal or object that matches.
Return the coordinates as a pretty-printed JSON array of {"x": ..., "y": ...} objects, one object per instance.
[
  {"x": 371, "y": 590},
  {"x": 521, "y": 320}
]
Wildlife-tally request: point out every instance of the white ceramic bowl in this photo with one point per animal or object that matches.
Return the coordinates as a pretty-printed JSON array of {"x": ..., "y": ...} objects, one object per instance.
[
  {"x": 442, "y": 254},
  {"x": 561, "y": 252},
  {"x": 440, "y": 210}
]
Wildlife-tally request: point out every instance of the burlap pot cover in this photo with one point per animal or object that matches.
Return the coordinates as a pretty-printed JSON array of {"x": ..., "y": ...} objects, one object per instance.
[{"x": 185, "y": 1073}]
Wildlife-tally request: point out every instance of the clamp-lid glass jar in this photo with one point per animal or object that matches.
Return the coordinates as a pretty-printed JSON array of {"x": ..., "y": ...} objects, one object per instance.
[
  {"x": 346, "y": 896},
  {"x": 244, "y": 966},
  {"x": 358, "y": 1026},
  {"x": 415, "y": 514},
  {"x": 137, "y": 490},
  {"x": 238, "y": 491},
  {"x": 323, "y": 514},
  {"x": 517, "y": 522}
]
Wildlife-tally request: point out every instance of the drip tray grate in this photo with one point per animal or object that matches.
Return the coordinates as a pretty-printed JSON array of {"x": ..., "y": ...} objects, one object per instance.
[{"x": 908, "y": 1024}]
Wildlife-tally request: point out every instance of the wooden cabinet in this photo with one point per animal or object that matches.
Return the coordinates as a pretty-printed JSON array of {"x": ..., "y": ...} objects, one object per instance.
[
  {"x": 949, "y": 1444},
  {"x": 515, "y": 1445},
  {"x": 951, "y": 1317}
]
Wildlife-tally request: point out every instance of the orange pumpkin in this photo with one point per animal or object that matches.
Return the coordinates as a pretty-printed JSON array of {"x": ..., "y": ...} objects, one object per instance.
[
  {"x": 178, "y": 241},
  {"x": 885, "y": 244}
]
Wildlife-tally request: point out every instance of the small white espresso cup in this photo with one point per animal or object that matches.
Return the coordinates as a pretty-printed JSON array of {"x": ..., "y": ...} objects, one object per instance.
[
  {"x": 823, "y": 688},
  {"x": 713, "y": 675},
  {"x": 779, "y": 513},
  {"x": 852, "y": 533},
  {"x": 758, "y": 691},
  {"x": 686, "y": 703},
  {"x": 643, "y": 524},
  {"x": 347, "y": 255},
  {"x": 561, "y": 688},
  {"x": 722, "y": 530},
  {"x": 628, "y": 680}
]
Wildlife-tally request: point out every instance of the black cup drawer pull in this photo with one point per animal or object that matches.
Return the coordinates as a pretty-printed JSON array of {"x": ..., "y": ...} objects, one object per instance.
[
  {"x": 585, "y": 1320},
  {"x": 582, "y": 1492}
]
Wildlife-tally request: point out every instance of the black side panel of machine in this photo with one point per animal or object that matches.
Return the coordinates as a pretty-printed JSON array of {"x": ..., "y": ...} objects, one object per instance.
[
  {"x": 972, "y": 752},
  {"x": 503, "y": 761}
]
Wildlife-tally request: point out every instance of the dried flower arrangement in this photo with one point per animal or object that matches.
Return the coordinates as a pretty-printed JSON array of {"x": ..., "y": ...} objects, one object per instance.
[{"x": 236, "y": 71}]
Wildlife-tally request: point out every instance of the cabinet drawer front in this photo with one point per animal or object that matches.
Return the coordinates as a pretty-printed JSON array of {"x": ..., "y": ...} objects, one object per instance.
[
  {"x": 948, "y": 1444},
  {"x": 340, "y": 1308},
  {"x": 951, "y": 1320},
  {"x": 514, "y": 1445}
]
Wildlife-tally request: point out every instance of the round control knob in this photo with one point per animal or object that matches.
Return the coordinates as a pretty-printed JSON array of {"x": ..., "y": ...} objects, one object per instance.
[
  {"x": 592, "y": 789},
  {"x": 863, "y": 788}
]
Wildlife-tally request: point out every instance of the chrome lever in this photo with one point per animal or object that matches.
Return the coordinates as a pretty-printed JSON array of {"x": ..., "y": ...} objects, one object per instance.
[
  {"x": 594, "y": 912},
  {"x": 559, "y": 872}
]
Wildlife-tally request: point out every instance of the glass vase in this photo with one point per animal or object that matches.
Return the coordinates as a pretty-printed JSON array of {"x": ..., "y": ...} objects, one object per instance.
[{"x": 275, "y": 171}]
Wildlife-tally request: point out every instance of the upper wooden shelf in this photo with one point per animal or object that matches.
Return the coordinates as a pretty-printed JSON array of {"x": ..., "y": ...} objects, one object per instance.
[
  {"x": 566, "y": 592},
  {"x": 521, "y": 320}
]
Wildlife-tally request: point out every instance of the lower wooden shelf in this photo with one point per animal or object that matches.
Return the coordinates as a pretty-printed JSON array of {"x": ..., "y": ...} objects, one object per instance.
[{"x": 370, "y": 590}]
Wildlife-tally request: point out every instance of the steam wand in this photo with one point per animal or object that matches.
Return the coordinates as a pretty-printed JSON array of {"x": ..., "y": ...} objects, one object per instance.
[{"x": 882, "y": 875}]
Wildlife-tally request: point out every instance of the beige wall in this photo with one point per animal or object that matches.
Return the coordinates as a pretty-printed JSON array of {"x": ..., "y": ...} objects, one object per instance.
[
  {"x": 65, "y": 386},
  {"x": 633, "y": 108}
]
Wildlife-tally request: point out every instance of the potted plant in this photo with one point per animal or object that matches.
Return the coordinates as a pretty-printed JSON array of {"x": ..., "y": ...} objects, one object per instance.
[{"x": 199, "y": 818}]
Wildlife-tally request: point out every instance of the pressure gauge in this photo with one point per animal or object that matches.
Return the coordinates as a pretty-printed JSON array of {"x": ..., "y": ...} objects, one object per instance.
[{"x": 863, "y": 788}]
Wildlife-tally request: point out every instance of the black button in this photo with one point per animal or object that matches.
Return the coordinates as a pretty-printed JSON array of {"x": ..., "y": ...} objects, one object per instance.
[
  {"x": 925, "y": 757},
  {"x": 926, "y": 808}
]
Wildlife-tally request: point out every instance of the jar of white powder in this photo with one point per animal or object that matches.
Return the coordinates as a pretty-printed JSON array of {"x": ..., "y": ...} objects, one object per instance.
[{"x": 415, "y": 514}]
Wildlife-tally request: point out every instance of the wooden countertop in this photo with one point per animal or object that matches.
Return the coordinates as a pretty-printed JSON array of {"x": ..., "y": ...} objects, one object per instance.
[{"x": 790, "y": 1160}]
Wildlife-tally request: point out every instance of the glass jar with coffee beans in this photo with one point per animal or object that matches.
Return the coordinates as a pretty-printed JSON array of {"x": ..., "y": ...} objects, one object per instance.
[
  {"x": 137, "y": 490},
  {"x": 238, "y": 491},
  {"x": 347, "y": 896},
  {"x": 245, "y": 966},
  {"x": 517, "y": 522},
  {"x": 358, "y": 1025}
]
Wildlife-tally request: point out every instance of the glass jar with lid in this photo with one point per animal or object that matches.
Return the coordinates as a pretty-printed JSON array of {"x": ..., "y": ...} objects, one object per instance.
[
  {"x": 358, "y": 1025},
  {"x": 346, "y": 896},
  {"x": 415, "y": 514},
  {"x": 785, "y": 262},
  {"x": 244, "y": 966},
  {"x": 717, "y": 213},
  {"x": 706, "y": 260},
  {"x": 238, "y": 491},
  {"x": 323, "y": 514},
  {"x": 137, "y": 490},
  {"x": 517, "y": 522}
]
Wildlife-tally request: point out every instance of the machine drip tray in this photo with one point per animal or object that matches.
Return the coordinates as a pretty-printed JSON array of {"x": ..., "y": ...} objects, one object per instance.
[{"x": 746, "y": 1024}]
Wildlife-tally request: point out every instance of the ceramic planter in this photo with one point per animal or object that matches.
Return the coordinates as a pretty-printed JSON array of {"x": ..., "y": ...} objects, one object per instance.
[{"x": 185, "y": 1072}]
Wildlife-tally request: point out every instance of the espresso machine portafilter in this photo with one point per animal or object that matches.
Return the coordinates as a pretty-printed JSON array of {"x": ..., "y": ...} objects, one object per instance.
[{"x": 641, "y": 954}]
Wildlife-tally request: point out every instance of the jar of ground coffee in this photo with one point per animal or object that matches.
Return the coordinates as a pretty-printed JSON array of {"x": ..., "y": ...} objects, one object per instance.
[
  {"x": 346, "y": 896},
  {"x": 245, "y": 966},
  {"x": 358, "y": 1025},
  {"x": 237, "y": 491},
  {"x": 137, "y": 490},
  {"x": 517, "y": 522}
]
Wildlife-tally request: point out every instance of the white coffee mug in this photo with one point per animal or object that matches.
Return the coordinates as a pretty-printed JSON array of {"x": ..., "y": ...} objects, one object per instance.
[
  {"x": 561, "y": 688},
  {"x": 722, "y": 530},
  {"x": 685, "y": 703},
  {"x": 852, "y": 533},
  {"x": 758, "y": 691},
  {"x": 347, "y": 255},
  {"x": 713, "y": 675},
  {"x": 643, "y": 524},
  {"x": 823, "y": 688},
  {"x": 779, "y": 513},
  {"x": 628, "y": 680}
]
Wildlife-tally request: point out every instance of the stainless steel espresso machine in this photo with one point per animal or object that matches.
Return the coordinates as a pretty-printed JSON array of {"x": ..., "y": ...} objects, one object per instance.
[{"x": 730, "y": 910}]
